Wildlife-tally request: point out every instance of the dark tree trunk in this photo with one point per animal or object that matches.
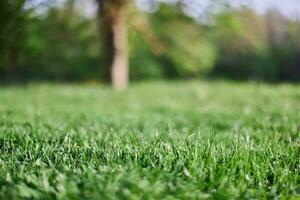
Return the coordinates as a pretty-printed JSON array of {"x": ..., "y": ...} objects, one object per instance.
[
  {"x": 13, "y": 67},
  {"x": 113, "y": 28}
]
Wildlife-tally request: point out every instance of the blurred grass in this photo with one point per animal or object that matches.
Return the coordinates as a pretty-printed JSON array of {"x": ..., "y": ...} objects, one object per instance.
[{"x": 158, "y": 140}]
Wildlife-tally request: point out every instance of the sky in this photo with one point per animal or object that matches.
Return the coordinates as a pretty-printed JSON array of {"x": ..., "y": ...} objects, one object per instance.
[{"x": 289, "y": 8}]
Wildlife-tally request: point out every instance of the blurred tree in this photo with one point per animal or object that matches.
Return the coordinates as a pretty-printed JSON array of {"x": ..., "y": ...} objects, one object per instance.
[
  {"x": 57, "y": 41},
  {"x": 188, "y": 51},
  {"x": 283, "y": 35},
  {"x": 12, "y": 22},
  {"x": 168, "y": 43},
  {"x": 113, "y": 27},
  {"x": 61, "y": 44},
  {"x": 242, "y": 41}
]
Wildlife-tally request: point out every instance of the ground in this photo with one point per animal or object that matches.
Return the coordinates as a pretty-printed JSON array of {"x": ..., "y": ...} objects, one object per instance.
[{"x": 158, "y": 140}]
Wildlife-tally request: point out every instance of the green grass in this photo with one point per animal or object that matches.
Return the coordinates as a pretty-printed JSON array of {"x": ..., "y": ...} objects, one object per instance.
[{"x": 180, "y": 140}]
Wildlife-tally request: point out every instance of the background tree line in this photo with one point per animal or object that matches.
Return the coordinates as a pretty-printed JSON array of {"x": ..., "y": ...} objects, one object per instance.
[{"x": 61, "y": 43}]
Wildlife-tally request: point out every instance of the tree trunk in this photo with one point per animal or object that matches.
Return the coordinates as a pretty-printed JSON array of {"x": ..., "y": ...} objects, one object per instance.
[
  {"x": 13, "y": 67},
  {"x": 119, "y": 67},
  {"x": 114, "y": 33}
]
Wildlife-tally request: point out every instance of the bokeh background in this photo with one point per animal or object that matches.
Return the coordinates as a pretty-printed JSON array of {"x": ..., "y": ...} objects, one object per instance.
[{"x": 59, "y": 40}]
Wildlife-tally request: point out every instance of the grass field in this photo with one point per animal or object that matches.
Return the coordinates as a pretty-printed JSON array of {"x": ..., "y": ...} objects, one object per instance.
[{"x": 177, "y": 140}]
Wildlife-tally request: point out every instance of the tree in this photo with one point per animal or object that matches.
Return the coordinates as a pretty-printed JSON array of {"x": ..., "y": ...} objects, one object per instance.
[
  {"x": 12, "y": 21},
  {"x": 113, "y": 28}
]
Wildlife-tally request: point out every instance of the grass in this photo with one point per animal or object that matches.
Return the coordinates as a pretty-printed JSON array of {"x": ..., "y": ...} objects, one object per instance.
[{"x": 180, "y": 140}]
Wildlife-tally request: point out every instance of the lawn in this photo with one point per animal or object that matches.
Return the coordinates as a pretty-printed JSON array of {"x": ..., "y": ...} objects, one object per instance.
[{"x": 158, "y": 140}]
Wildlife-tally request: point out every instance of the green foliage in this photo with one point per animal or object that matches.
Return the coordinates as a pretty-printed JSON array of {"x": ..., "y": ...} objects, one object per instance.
[
  {"x": 242, "y": 41},
  {"x": 63, "y": 44},
  {"x": 144, "y": 63},
  {"x": 12, "y": 21},
  {"x": 167, "y": 52},
  {"x": 192, "y": 140},
  {"x": 187, "y": 49},
  {"x": 58, "y": 45},
  {"x": 256, "y": 47}
]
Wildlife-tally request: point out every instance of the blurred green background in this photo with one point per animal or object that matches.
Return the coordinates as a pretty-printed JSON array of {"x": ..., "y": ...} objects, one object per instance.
[{"x": 58, "y": 41}]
